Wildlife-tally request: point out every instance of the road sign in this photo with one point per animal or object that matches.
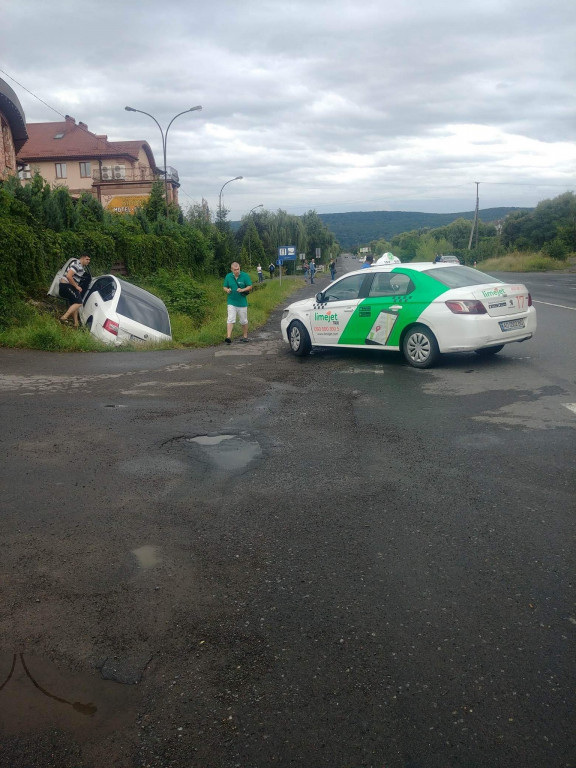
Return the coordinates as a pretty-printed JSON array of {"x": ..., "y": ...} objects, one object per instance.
[{"x": 287, "y": 252}]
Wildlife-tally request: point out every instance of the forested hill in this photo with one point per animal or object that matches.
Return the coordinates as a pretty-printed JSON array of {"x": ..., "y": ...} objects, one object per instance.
[{"x": 362, "y": 227}]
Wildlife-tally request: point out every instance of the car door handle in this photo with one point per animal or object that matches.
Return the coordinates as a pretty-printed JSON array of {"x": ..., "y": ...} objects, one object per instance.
[{"x": 397, "y": 306}]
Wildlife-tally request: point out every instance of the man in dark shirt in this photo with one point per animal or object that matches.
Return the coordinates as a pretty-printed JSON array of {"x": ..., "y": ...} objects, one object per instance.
[{"x": 71, "y": 286}]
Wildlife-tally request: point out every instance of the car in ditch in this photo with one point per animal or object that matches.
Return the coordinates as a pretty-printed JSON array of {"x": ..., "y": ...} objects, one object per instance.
[
  {"x": 117, "y": 312},
  {"x": 420, "y": 309}
]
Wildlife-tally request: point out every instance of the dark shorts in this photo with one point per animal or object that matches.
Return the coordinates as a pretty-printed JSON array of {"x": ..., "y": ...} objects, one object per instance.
[{"x": 69, "y": 294}]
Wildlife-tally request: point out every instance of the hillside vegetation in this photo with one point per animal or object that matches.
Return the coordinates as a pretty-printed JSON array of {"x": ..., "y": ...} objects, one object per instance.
[
  {"x": 354, "y": 229},
  {"x": 540, "y": 238}
]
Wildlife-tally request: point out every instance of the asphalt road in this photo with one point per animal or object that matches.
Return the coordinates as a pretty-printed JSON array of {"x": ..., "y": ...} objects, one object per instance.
[{"x": 235, "y": 558}]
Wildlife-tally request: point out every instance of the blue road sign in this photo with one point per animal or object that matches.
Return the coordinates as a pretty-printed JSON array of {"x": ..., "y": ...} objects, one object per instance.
[{"x": 287, "y": 252}]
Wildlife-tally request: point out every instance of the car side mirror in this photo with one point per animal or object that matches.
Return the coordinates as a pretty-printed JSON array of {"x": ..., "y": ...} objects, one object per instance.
[{"x": 320, "y": 297}]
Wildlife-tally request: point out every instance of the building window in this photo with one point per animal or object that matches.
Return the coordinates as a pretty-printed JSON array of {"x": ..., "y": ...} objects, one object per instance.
[
  {"x": 85, "y": 171},
  {"x": 60, "y": 170}
]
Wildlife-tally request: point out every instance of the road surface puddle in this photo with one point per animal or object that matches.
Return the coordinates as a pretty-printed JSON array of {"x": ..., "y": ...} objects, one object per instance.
[
  {"x": 147, "y": 556},
  {"x": 36, "y": 695},
  {"x": 228, "y": 453}
]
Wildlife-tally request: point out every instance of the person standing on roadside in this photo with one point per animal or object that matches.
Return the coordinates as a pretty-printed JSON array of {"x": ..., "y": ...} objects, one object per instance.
[
  {"x": 306, "y": 268},
  {"x": 260, "y": 275},
  {"x": 271, "y": 269},
  {"x": 312, "y": 270},
  {"x": 332, "y": 267},
  {"x": 367, "y": 262},
  {"x": 237, "y": 285},
  {"x": 72, "y": 283}
]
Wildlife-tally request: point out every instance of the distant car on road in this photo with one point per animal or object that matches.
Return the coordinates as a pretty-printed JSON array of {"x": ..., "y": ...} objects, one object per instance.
[
  {"x": 421, "y": 309},
  {"x": 117, "y": 312},
  {"x": 446, "y": 258}
]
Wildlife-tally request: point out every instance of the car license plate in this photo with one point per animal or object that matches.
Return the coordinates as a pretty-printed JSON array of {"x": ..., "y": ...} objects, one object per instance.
[{"x": 511, "y": 325}]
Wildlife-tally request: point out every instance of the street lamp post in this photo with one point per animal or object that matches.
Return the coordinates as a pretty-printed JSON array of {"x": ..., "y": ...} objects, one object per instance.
[
  {"x": 250, "y": 212},
  {"x": 236, "y": 178},
  {"x": 164, "y": 141}
]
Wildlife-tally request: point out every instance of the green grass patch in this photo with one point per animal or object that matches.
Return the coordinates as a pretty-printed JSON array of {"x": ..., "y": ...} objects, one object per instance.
[
  {"x": 197, "y": 312},
  {"x": 42, "y": 331},
  {"x": 262, "y": 301},
  {"x": 522, "y": 262}
]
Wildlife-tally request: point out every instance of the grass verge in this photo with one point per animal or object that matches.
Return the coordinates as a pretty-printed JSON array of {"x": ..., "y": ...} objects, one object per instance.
[
  {"x": 522, "y": 262},
  {"x": 34, "y": 323}
]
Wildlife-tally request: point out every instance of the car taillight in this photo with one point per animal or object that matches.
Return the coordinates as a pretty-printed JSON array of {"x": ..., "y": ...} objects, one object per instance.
[
  {"x": 466, "y": 307},
  {"x": 111, "y": 327},
  {"x": 529, "y": 300}
]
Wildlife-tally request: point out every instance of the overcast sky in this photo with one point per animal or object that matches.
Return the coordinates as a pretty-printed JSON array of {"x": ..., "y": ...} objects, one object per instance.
[{"x": 339, "y": 105}]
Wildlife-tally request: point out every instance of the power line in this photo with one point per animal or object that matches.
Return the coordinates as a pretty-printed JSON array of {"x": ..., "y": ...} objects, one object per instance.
[{"x": 32, "y": 94}]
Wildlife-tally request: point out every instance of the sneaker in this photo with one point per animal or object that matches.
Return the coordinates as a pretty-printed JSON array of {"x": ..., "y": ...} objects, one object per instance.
[
  {"x": 228, "y": 340},
  {"x": 245, "y": 340}
]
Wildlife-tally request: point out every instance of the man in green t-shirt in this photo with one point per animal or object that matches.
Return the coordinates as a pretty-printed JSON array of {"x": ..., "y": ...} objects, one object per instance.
[{"x": 237, "y": 285}]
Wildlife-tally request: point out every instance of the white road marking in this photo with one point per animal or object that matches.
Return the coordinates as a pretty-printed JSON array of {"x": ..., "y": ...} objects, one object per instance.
[
  {"x": 548, "y": 304},
  {"x": 570, "y": 406}
]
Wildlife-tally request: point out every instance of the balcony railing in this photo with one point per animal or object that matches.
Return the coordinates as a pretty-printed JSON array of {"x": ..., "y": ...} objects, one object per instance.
[{"x": 119, "y": 173}]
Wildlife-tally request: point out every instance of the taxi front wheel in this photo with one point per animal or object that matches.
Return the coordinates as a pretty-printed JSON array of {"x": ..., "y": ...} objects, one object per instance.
[
  {"x": 420, "y": 347},
  {"x": 299, "y": 339}
]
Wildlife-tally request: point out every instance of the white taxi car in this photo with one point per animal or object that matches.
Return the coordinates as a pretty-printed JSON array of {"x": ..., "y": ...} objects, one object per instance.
[{"x": 422, "y": 309}]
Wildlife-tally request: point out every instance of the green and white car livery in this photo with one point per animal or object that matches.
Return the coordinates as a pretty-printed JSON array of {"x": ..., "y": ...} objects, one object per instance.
[{"x": 422, "y": 309}]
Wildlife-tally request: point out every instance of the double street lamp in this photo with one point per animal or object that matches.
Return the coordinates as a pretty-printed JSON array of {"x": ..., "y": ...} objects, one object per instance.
[
  {"x": 164, "y": 140},
  {"x": 236, "y": 178}
]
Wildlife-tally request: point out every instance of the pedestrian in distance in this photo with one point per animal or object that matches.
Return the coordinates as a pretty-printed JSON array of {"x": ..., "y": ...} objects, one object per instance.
[
  {"x": 72, "y": 283},
  {"x": 367, "y": 262},
  {"x": 306, "y": 267},
  {"x": 332, "y": 267},
  {"x": 312, "y": 271},
  {"x": 271, "y": 269},
  {"x": 260, "y": 275},
  {"x": 237, "y": 285}
]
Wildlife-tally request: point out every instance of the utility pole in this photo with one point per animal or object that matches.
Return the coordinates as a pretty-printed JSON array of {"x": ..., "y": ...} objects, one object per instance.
[{"x": 475, "y": 223}]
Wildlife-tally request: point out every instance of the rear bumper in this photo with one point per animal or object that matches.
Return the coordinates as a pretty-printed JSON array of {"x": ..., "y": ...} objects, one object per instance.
[{"x": 478, "y": 331}]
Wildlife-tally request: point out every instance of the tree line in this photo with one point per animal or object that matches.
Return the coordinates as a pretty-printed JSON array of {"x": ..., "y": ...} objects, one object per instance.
[{"x": 549, "y": 229}]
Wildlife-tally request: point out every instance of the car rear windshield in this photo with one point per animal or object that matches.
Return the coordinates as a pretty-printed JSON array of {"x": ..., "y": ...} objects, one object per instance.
[
  {"x": 459, "y": 277},
  {"x": 144, "y": 308}
]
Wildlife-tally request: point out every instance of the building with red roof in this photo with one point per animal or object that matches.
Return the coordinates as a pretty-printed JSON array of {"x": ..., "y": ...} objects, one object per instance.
[{"x": 119, "y": 173}]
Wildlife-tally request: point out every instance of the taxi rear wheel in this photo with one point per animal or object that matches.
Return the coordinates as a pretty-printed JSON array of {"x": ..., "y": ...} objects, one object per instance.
[
  {"x": 420, "y": 347},
  {"x": 299, "y": 338}
]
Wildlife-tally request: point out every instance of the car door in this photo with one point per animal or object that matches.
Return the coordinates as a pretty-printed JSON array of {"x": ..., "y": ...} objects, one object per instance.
[
  {"x": 330, "y": 317},
  {"x": 378, "y": 318},
  {"x": 96, "y": 303}
]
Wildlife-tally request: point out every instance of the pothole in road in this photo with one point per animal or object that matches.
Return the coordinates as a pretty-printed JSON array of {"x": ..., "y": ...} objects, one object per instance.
[{"x": 231, "y": 453}]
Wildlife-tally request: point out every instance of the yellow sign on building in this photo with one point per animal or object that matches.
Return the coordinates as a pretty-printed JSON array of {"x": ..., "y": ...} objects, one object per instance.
[{"x": 126, "y": 203}]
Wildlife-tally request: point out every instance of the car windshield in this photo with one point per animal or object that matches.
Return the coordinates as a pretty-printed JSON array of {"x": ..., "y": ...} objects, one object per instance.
[
  {"x": 144, "y": 308},
  {"x": 460, "y": 277}
]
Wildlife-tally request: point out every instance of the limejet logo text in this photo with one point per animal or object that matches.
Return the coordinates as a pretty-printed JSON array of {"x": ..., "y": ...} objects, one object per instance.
[
  {"x": 328, "y": 317},
  {"x": 494, "y": 292}
]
